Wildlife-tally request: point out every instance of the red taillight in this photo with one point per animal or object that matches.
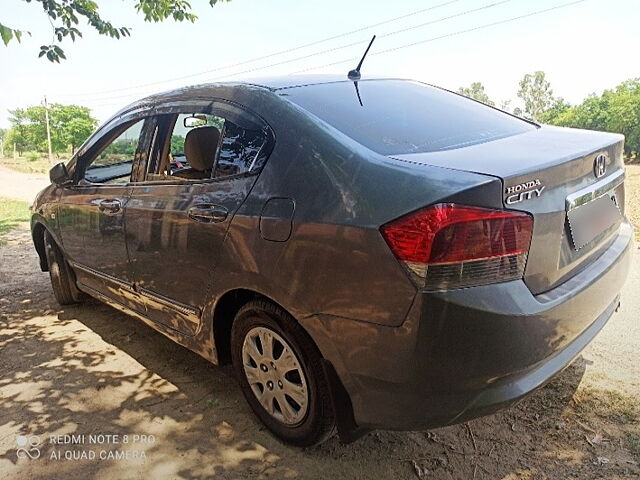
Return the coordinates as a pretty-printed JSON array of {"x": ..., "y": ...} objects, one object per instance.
[{"x": 452, "y": 246}]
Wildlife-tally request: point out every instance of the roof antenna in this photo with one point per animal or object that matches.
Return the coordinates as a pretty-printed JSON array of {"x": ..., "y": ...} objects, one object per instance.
[{"x": 355, "y": 74}]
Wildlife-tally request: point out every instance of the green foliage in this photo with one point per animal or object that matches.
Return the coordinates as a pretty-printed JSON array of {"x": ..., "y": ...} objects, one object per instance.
[
  {"x": 12, "y": 213},
  {"x": 70, "y": 127},
  {"x": 616, "y": 110},
  {"x": 559, "y": 108},
  {"x": 476, "y": 91},
  {"x": 536, "y": 93},
  {"x": 65, "y": 16},
  {"x": 177, "y": 145},
  {"x": 7, "y": 34}
]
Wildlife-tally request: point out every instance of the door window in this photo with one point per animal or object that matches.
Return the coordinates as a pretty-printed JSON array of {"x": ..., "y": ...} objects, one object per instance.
[
  {"x": 207, "y": 135},
  {"x": 114, "y": 162},
  {"x": 204, "y": 146}
]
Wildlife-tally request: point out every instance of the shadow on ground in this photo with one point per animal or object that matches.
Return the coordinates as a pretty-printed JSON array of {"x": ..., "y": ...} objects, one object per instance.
[{"x": 89, "y": 369}]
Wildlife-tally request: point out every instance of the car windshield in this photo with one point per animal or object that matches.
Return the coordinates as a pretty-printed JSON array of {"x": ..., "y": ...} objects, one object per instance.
[{"x": 394, "y": 117}]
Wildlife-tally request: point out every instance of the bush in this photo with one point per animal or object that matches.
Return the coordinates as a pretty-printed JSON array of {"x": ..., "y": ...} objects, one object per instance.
[{"x": 33, "y": 156}]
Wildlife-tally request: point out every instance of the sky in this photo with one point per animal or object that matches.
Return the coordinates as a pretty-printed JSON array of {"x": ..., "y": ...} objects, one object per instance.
[{"x": 584, "y": 48}]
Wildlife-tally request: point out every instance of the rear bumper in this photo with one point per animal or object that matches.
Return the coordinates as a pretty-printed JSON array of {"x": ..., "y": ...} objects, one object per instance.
[{"x": 469, "y": 352}]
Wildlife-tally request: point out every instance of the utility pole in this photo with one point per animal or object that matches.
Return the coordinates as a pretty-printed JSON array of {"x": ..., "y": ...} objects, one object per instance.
[{"x": 46, "y": 117}]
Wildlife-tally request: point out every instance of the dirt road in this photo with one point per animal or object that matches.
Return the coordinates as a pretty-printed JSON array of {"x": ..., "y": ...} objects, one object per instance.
[
  {"x": 92, "y": 372},
  {"x": 21, "y": 186}
]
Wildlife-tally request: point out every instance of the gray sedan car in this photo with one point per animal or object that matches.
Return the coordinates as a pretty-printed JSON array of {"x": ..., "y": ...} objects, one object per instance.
[{"x": 371, "y": 254}]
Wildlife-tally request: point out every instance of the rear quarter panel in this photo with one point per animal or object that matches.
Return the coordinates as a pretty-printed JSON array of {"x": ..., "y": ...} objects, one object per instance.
[{"x": 335, "y": 261}]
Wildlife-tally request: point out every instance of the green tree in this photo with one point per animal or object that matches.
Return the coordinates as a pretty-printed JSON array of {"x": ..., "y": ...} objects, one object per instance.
[
  {"x": 616, "y": 110},
  {"x": 70, "y": 127},
  {"x": 476, "y": 91},
  {"x": 556, "y": 113},
  {"x": 536, "y": 93},
  {"x": 624, "y": 114},
  {"x": 74, "y": 124},
  {"x": 65, "y": 16},
  {"x": 3, "y": 136}
]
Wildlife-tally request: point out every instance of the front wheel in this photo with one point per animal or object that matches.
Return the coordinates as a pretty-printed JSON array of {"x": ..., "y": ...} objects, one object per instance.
[
  {"x": 279, "y": 370},
  {"x": 60, "y": 274}
]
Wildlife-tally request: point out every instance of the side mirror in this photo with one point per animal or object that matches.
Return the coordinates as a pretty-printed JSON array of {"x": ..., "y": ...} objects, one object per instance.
[
  {"x": 195, "y": 121},
  {"x": 59, "y": 174}
]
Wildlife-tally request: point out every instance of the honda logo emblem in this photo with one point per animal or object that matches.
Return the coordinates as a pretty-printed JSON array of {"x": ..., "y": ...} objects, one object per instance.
[{"x": 600, "y": 165}]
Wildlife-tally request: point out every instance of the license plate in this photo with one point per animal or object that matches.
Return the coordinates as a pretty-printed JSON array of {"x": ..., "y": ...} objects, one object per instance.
[{"x": 588, "y": 221}]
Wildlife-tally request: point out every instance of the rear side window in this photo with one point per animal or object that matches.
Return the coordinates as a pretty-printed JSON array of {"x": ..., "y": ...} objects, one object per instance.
[
  {"x": 401, "y": 117},
  {"x": 240, "y": 150}
]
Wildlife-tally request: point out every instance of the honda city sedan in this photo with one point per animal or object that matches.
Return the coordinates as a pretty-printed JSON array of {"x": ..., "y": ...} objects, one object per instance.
[{"x": 371, "y": 254}]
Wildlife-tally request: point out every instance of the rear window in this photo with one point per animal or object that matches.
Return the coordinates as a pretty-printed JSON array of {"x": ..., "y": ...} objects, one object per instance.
[{"x": 394, "y": 117}]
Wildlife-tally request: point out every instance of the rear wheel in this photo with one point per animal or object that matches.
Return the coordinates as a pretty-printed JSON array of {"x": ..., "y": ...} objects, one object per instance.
[
  {"x": 60, "y": 274},
  {"x": 280, "y": 374}
]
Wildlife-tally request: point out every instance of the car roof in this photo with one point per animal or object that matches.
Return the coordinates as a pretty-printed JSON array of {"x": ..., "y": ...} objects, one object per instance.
[
  {"x": 295, "y": 81},
  {"x": 272, "y": 84}
]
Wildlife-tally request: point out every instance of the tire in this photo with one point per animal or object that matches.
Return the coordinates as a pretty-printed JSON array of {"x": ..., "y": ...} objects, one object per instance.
[
  {"x": 60, "y": 274},
  {"x": 312, "y": 420}
]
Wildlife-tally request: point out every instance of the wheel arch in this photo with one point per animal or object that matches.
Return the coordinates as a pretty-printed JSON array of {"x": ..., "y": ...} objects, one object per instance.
[
  {"x": 37, "y": 235},
  {"x": 224, "y": 314}
]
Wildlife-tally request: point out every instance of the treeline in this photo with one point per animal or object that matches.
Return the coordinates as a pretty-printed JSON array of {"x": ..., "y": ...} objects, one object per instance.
[
  {"x": 616, "y": 110},
  {"x": 70, "y": 126}
]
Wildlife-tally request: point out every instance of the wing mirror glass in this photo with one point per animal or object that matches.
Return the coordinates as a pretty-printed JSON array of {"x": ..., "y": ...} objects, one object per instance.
[
  {"x": 195, "y": 121},
  {"x": 59, "y": 174}
]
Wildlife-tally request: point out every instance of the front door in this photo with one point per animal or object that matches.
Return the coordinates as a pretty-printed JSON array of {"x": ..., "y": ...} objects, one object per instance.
[
  {"x": 91, "y": 214},
  {"x": 198, "y": 175}
]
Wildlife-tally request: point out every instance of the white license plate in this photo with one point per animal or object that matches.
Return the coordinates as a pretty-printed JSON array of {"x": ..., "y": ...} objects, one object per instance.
[{"x": 591, "y": 219}]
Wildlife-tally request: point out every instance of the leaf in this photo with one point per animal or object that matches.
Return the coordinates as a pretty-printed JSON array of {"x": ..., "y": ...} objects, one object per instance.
[{"x": 6, "y": 34}]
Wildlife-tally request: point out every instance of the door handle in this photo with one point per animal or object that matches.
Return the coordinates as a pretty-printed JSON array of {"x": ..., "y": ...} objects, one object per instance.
[
  {"x": 207, "y": 213},
  {"x": 110, "y": 206}
]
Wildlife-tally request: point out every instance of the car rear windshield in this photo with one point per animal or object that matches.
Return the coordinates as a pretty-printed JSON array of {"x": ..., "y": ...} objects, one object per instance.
[{"x": 400, "y": 116}]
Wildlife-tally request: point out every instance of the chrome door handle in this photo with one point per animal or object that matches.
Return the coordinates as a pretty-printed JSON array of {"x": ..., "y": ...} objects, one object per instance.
[
  {"x": 208, "y": 213},
  {"x": 110, "y": 206}
]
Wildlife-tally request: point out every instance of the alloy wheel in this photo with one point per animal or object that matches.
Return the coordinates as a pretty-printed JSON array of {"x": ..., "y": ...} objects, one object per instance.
[{"x": 275, "y": 376}]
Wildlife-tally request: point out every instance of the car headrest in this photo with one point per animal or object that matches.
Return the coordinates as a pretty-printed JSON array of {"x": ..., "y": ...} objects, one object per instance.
[{"x": 200, "y": 147}]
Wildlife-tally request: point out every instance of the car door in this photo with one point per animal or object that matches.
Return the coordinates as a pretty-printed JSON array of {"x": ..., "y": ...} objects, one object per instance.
[
  {"x": 177, "y": 218},
  {"x": 91, "y": 212}
]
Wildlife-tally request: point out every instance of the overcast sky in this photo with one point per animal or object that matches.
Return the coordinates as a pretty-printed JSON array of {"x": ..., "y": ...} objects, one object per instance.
[{"x": 584, "y": 48}]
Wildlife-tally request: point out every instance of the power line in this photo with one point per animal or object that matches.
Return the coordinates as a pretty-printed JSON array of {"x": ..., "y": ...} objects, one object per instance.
[
  {"x": 273, "y": 54},
  {"x": 459, "y": 32},
  {"x": 342, "y": 47}
]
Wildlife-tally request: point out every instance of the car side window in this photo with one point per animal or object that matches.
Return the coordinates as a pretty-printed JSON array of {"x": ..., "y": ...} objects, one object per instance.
[
  {"x": 240, "y": 150},
  {"x": 114, "y": 162}
]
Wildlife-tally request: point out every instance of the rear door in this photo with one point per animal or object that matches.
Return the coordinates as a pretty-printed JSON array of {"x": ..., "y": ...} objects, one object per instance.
[
  {"x": 178, "y": 215},
  {"x": 91, "y": 211}
]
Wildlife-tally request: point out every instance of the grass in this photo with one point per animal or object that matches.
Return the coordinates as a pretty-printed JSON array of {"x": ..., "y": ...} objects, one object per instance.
[
  {"x": 12, "y": 213},
  {"x": 633, "y": 444},
  {"x": 27, "y": 165}
]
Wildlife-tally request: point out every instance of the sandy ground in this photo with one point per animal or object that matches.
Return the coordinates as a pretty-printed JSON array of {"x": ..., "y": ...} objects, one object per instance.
[
  {"x": 21, "y": 186},
  {"x": 90, "y": 370}
]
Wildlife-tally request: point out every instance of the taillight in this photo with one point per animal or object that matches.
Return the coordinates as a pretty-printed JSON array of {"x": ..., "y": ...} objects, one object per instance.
[{"x": 451, "y": 246}]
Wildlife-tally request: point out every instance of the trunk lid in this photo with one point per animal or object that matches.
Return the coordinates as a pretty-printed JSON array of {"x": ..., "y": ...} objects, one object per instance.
[{"x": 548, "y": 172}]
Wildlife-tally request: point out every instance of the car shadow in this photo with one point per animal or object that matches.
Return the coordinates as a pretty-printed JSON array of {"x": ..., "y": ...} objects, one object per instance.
[{"x": 89, "y": 368}]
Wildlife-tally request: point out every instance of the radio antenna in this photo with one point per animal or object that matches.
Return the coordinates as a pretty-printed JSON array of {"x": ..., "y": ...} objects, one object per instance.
[{"x": 355, "y": 74}]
